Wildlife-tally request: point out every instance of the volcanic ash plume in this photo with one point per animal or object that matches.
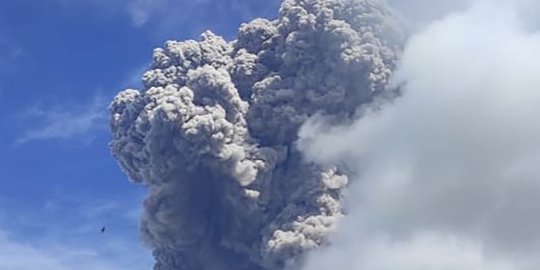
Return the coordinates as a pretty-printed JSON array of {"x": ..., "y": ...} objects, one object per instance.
[{"x": 212, "y": 133}]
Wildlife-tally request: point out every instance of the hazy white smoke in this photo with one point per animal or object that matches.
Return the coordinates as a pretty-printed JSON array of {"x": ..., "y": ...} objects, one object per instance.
[
  {"x": 447, "y": 175},
  {"x": 212, "y": 133}
]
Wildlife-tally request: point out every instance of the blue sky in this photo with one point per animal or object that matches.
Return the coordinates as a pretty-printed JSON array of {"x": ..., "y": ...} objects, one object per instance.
[{"x": 61, "y": 62}]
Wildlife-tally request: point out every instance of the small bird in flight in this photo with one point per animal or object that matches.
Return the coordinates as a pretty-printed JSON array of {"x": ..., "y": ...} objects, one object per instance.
[{"x": 103, "y": 229}]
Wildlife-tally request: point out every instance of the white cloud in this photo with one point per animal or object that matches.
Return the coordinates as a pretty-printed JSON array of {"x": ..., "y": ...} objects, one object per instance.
[
  {"x": 141, "y": 12},
  {"x": 447, "y": 175},
  {"x": 100, "y": 208},
  {"x": 423, "y": 252},
  {"x": 12, "y": 56},
  {"x": 425, "y": 11},
  {"x": 89, "y": 213},
  {"x": 21, "y": 255},
  {"x": 66, "y": 235},
  {"x": 173, "y": 13},
  {"x": 78, "y": 123},
  {"x": 170, "y": 18}
]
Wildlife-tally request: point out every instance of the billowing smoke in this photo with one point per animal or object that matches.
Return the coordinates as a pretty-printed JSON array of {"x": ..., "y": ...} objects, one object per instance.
[
  {"x": 253, "y": 150},
  {"x": 447, "y": 175},
  {"x": 212, "y": 134}
]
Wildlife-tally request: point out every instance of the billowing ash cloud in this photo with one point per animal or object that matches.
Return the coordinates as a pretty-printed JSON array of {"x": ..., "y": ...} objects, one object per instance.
[
  {"x": 212, "y": 133},
  {"x": 447, "y": 176}
]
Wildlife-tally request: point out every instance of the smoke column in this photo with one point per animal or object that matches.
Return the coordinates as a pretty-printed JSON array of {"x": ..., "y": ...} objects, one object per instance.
[
  {"x": 212, "y": 133},
  {"x": 324, "y": 140},
  {"x": 445, "y": 176}
]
